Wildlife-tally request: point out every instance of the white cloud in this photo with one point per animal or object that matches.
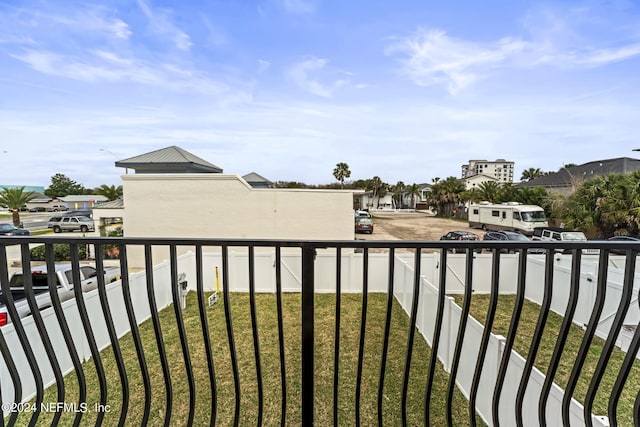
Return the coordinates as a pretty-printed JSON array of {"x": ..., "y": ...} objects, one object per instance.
[
  {"x": 160, "y": 22},
  {"x": 301, "y": 75},
  {"x": 105, "y": 66},
  {"x": 431, "y": 57}
]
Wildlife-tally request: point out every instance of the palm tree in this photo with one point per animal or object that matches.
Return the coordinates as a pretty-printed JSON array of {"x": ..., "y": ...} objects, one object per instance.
[
  {"x": 489, "y": 191},
  {"x": 378, "y": 188},
  {"x": 446, "y": 195},
  {"x": 341, "y": 172},
  {"x": 111, "y": 192},
  {"x": 531, "y": 173},
  {"x": 397, "y": 193},
  {"x": 14, "y": 199},
  {"x": 413, "y": 191}
]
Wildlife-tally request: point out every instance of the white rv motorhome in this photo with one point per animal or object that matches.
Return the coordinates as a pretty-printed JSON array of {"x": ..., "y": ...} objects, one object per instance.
[{"x": 507, "y": 216}]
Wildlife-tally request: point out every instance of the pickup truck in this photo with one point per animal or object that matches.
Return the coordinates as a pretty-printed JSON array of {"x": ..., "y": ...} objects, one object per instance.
[
  {"x": 64, "y": 275},
  {"x": 558, "y": 234}
]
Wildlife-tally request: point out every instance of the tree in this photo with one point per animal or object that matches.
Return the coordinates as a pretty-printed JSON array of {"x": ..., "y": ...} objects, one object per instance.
[
  {"x": 111, "y": 192},
  {"x": 531, "y": 173},
  {"x": 604, "y": 206},
  {"x": 446, "y": 195},
  {"x": 397, "y": 191},
  {"x": 378, "y": 188},
  {"x": 341, "y": 172},
  {"x": 413, "y": 191},
  {"x": 489, "y": 191},
  {"x": 61, "y": 186},
  {"x": 14, "y": 199}
]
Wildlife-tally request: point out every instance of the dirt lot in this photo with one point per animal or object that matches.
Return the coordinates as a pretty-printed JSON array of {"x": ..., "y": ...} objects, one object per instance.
[{"x": 413, "y": 226}]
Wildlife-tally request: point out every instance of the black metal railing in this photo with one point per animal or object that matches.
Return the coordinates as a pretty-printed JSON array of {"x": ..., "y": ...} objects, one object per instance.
[{"x": 149, "y": 364}]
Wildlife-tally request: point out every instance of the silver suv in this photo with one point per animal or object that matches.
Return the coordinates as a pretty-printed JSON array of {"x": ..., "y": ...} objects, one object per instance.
[{"x": 71, "y": 223}]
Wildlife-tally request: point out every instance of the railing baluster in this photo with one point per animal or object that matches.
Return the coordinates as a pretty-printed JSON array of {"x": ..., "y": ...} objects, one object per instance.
[
  {"x": 412, "y": 328},
  {"x": 254, "y": 329},
  {"x": 157, "y": 329},
  {"x": 363, "y": 328},
  {"x": 387, "y": 329},
  {"x": 205, "y": 332},
  {"x": 511, "y": 335},
  {"x": 52, "y": 281},
  {"x": 618, "y": 322},
  {"x": 466, "y": 305},
  {"x": 44, "y": 337},
  {"x": 625, "y": 369},
  {"x": 308, "y": 313},
  {"x": 135, "y": 332},
  {"x": 537, "y": 335},
  {"x": 589, "y": 333},
  {"x": 484, "y": 342},
  {"x": 113, "y": 335},
  {"x": 232, "y": 345},
  {"x": 19, "y": 328},
  {"x": 283, "y": 370},
  {"x": 177, "y": 308},
  {"x": 442, "y": 290},
  {"x": 565, "y": 328},
  {"x": 336, "y": 342},
  {"x": 88, "y": 330},
  {"x": 15, "y": 376}
]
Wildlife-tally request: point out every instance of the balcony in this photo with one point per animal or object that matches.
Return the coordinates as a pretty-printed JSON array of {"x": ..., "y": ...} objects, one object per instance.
[{"x": 240, "y": 332}]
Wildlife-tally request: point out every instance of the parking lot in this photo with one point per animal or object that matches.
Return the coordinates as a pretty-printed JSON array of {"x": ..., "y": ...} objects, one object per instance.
[{"x": 413, "y": 226}]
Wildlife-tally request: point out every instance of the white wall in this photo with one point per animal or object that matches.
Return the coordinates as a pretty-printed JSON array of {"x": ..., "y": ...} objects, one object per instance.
[{"x": 226, "y": 207}]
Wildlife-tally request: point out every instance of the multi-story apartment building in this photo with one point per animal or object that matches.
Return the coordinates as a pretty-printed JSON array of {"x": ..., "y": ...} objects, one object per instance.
[{"x": 500, "y": 169}]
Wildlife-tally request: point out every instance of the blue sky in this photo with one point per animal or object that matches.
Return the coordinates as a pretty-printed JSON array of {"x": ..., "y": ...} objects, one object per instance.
[{"x": 407, "y": 90}]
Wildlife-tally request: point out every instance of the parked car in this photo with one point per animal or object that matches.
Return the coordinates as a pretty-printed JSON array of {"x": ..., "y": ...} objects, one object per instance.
[
  {"x": 364, "y": 225},
  {"x": 622, "y": 239},
  {"x": 11, "y": 230},
  {"x": 513, "y": 237},
  {"x": 80, "y": 212},
  {"x": 562, "y": 235},
  {"x": 57, "y": 208},
  {"x": 38, "y": 209},
  {"x": 460, "y": 235},
  {"x": 71, "y": 223},
  {"x": 363, "y": 214}
]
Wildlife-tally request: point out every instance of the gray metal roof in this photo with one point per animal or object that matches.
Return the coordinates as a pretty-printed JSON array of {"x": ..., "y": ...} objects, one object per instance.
[
  {"x": 83, "y": 198},
  {"x": 112, "y": 204},
  {"x": 168, "y": 160},
  {"x": 254, "y": 177},
  {"x": 584, "y": 172}
]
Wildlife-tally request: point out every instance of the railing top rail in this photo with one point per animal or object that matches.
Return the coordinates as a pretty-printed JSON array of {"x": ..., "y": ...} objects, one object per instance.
[{"x": 321, "y": 244}]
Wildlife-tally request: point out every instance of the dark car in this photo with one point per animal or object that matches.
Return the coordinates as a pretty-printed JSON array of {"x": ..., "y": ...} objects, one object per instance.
[
  {"x": 622, "y": 239},
  {"x": 38, "y": 209},
  {"x": 460, "y": 235},
  {"x": 11, "y": 230},
  {"x": 364, "y": 225},
  {"x": 512, "y": 236}
]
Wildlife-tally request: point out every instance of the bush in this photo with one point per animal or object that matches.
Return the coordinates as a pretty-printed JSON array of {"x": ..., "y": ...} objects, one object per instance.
[{"x": 61, "y": 251}]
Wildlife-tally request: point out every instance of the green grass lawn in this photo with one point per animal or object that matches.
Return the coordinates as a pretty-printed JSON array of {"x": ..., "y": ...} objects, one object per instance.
[
  {"x": 525, "y": 333},
  {"x": 266, "y": 313}
]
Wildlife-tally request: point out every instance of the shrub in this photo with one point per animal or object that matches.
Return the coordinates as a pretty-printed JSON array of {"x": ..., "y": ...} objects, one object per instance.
[{"x": 61, "y": 251}]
